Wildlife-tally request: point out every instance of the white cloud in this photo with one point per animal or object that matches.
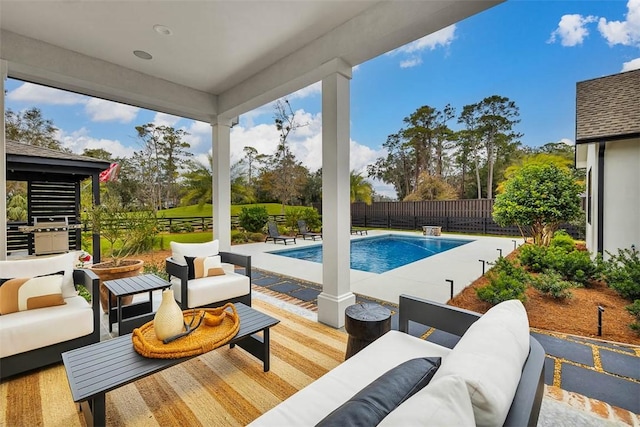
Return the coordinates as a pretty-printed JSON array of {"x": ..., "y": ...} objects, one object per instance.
[
  {"x": 305, "y": 92},
  {"x": 567, "y": 141},
  {"x": 411, "y": 62},
  {"x": 572, "y": 29},
  {"x": 100, "y": 110},
  {"x": 623, "y": 32},
  {"x": 441, "y": 38},
  {"x": 634, "y": 64},
  {"x": 77, "y": 141},
  {"x": 29, "y": 92},
  {"x": 163, "y": 119}
]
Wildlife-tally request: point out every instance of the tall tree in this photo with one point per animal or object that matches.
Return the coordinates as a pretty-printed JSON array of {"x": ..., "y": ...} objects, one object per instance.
[
  {"x": 397, "y": 168},
  {"x": 198, "y": 182},
  {"x": 30, "y": 127},
  {"x": 360, "y": 189},
  {"x": 287, "y": 173},
  {"x": 98, "y": 153},
  {"x": 469, "y": 140},
  {"x": 497, "y": 117},
  {"x": 164, "y": 150}
]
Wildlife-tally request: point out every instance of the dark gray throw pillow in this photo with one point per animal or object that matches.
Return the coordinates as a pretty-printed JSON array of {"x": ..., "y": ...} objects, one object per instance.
[{"x": 374, "y": 402}]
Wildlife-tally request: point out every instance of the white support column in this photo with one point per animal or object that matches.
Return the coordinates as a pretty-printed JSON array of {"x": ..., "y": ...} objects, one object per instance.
[
  {"x": 3, "y": 162},
  {"x": 336, "y": 279},
  {"x": 221, "y": 149}
]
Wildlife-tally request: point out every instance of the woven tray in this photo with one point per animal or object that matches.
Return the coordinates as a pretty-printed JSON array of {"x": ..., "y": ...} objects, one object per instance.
[{"x": 205, "y": 338}]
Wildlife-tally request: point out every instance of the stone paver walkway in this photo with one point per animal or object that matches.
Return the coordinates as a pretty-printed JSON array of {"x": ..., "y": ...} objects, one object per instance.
[{"x": 600, "y": 370}]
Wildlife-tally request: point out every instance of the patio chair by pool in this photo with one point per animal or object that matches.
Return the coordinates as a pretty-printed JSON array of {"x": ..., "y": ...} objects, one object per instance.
[
  {"x": 274, "y": 234},
  {"x": 360, "y": 231},
  {"x": 304, "y": 231}
]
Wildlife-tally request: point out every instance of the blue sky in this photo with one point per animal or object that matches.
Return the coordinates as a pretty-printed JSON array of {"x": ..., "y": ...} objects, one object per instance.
[{"x": 533, "y": 52}]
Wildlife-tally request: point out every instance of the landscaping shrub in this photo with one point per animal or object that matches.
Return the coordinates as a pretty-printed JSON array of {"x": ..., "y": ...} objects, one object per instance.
[
  {"x": 578, "y": 266},
  {"x": 253, "y": 218},
  {"x": 533, "y": 257},
  {"x": 238, "y": 236},
  {"x": 634, "y": 309},
  {"x": 562, "y": 240},
  {"x": 309, "y": 215},
  {"x": 561, "y": 256},
  {"x": 506, "y": 281},
  {"x": 551, "y": 283},
  {"x": 175, "y": 228},
  {"x": 622, "y": 273}
]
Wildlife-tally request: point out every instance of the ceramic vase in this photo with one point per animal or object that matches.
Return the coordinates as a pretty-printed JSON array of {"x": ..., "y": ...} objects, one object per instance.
[{"x": 168, "y": 320}]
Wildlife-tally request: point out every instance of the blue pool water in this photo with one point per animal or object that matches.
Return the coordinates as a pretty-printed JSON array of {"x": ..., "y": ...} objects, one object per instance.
[{"x": 382, "y": 253}]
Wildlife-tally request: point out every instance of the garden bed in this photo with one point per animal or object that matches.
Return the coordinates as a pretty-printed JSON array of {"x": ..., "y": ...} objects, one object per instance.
[{"x": 577, "y": 315}]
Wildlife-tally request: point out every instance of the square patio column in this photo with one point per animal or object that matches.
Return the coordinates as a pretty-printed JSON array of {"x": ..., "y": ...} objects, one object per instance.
[
  {"x": 3, "y": 161},
  {"x": 221, "y": 174},
  {"x": 336, "y": 279}
]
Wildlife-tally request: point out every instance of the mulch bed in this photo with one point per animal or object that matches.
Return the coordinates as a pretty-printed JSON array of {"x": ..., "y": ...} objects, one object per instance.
[{"x": 575, "y": 316}]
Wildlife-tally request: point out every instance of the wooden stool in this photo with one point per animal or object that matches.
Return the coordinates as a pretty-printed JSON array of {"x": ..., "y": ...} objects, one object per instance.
[{"x": 365, "y": 323}]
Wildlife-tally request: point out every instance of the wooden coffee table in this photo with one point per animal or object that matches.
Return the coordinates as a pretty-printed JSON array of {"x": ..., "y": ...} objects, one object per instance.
[{"x": 98, "y": 368}]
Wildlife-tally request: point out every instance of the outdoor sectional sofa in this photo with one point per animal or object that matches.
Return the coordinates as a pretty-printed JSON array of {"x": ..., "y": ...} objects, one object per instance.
[
  {"x": 493, "y": 376},
  {"x": 33, "y": 338}
]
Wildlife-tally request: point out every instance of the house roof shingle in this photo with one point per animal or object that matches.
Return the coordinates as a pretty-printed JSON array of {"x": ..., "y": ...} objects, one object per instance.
[{"x": 608, "y": 107}]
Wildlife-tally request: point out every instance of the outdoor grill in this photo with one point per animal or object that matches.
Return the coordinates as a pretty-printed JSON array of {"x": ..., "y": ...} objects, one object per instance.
[{"x": 50, "y": 234}]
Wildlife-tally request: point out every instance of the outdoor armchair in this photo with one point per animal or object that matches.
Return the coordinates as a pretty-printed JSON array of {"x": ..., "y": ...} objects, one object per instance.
[
  {"x": 274, "y": 234},
  {"x": 201, "y": 276},
  {"x": 304, "y": 231}
]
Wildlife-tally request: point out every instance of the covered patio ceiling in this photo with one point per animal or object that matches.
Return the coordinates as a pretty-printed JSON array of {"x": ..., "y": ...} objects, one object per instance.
[
  {"x": 215, "y": 60},
  {"x": 222, "y": 57}
]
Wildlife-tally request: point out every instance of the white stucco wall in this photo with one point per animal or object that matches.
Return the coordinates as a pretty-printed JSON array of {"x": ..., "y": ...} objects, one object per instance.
[
  {"x": 622, "y": 195},
  {"x": 591, "y": 229}
]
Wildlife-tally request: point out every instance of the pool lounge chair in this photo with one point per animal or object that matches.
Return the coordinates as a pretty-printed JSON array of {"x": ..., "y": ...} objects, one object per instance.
[
  {"x": 274, "y": 234},
  {"x": 304, "y": 231},
  {"x": 360, "y": 231}
]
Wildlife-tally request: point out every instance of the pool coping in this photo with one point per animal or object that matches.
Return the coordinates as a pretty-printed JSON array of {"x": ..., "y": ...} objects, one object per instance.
[{"x": 426, "y": 278}]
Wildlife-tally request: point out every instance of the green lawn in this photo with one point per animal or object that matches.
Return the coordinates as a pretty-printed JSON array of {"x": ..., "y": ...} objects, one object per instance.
[{"x": 207, "y": 210}]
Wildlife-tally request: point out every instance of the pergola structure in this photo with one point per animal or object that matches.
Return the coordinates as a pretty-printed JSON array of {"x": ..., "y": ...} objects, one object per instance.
[
  {"x": 53, "y": 184},
  {"x": 215, "y": 60}
]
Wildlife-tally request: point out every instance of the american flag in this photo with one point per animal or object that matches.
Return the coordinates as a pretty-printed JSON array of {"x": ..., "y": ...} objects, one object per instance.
[{"x": 110, "y": 174}]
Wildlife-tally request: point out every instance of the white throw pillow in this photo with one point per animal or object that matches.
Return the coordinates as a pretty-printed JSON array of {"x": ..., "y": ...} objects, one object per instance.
[
  {"x": 42, "y": 266},
  {"x": 444, "y": 402},
  {"x": 490, "y": 357},
  {"x": 179, "y": 250}
]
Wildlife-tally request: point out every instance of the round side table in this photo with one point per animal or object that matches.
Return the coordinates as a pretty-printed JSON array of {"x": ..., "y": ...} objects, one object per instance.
[{"x": 365, "y": 322}]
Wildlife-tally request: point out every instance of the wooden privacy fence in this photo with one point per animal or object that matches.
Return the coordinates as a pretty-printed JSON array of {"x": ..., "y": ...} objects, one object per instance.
[{"x": 455, "y": 216}]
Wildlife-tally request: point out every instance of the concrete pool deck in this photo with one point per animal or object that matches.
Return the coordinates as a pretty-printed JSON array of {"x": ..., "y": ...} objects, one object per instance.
[{"x": 425, "y": 278}]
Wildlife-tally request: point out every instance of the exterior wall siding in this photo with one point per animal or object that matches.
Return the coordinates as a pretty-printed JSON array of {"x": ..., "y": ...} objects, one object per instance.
[{"x": 622, "y": 195}]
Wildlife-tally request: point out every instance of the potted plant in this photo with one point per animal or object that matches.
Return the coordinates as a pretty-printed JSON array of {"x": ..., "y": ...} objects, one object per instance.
[{"x": 127, "y": 232}]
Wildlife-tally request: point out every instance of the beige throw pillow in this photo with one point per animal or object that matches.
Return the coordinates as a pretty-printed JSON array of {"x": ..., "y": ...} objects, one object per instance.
[{"x": 27, "y": 293}]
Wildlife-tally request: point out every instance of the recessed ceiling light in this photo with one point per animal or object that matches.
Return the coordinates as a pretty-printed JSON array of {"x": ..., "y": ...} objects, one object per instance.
[
  {"x": 142, "y": 54},
  {"x": 163, "y": 29}
]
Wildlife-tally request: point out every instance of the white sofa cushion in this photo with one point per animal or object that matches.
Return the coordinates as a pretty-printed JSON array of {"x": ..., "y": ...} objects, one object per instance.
[
  {"x": 179, "y": 250},
  {"x": 42, "y": 266},
  {"x": 444, "y": 402},
  {"x": 490, "y": 357},
  {"x": 311, "y": 404},
  {"x": 207, "y": 290},
  {"x": 32, "y": 329}
]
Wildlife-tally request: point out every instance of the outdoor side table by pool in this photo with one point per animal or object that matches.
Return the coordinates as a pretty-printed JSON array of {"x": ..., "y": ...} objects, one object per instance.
[
  {"x": 365, "y": 322},
  {"x": 135, "y": 315},
  {"x": 98, "y": 368}
]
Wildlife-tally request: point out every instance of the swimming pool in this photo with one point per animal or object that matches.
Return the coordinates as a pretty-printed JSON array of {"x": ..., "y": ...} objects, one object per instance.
[{"x": 382, "y": 253}]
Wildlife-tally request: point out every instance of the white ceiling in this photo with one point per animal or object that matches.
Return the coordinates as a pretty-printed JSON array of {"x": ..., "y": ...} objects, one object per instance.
[{"x": 224, "y": 57}]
